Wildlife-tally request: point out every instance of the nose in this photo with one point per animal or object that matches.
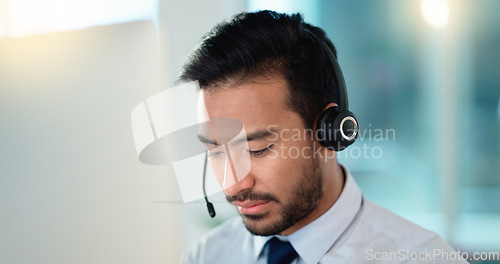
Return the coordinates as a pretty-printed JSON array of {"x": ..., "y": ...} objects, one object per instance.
[{"x": 233, "y": 183}]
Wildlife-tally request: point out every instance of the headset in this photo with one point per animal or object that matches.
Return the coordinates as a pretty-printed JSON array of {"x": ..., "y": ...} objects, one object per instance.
[{"x": 336, "y": 128}]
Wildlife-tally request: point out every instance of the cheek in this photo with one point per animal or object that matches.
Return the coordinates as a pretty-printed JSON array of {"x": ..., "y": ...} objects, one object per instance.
[{"x": 276, "y": 173}]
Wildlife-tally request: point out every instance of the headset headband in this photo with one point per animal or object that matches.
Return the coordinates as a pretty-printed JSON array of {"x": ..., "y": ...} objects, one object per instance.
[{"x": 339, "y": 77}]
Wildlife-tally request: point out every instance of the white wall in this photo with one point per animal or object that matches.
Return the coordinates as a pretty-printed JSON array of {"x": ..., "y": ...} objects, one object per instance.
[{"x": 71, "y": 187}]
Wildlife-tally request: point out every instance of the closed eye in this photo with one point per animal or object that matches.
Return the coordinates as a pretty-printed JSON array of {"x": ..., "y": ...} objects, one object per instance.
[{"x": 260, "y": 152}]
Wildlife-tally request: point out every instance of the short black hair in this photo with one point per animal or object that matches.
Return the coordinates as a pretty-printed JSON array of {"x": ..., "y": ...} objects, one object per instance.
[{"x": 264, "y": 42}]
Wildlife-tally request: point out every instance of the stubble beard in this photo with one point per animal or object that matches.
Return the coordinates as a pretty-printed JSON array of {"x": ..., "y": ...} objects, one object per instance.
[{"x": 307, "y": 192}]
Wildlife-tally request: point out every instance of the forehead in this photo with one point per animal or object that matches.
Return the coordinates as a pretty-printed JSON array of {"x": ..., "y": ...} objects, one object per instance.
[{"x": 256, "y": 102}]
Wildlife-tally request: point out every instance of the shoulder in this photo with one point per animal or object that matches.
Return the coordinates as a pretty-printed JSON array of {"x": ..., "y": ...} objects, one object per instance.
[
  {"x": 377, "y": 230},
  {"x": 214, "y": 245},
  {"x": 400, "y": 232}
]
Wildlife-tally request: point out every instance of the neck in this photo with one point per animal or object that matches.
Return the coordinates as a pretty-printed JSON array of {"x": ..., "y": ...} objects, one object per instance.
[{"x": 332, "y": 189}]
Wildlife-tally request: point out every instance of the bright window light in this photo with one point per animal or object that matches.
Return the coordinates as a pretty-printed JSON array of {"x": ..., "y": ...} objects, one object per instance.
[
  {"x": 29, "y": 17},
  {"x": 436, "y": 13}
]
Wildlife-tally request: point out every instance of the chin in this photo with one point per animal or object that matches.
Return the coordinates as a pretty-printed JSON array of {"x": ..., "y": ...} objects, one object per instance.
[{"x": 262, "y": 225}]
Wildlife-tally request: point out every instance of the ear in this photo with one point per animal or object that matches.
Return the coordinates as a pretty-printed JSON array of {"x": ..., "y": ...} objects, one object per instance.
[
  {"x": 330, "y": 105},
  {"x": 326, "y": 107},
  {"x": 316, "y": 126}
]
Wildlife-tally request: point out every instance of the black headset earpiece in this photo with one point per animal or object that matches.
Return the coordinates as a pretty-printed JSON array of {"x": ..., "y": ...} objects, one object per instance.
[{"x": 337, "y": 127}]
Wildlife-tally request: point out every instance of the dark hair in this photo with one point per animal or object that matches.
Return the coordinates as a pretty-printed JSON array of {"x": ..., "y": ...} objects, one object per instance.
[{"x": 264, "y": 42}]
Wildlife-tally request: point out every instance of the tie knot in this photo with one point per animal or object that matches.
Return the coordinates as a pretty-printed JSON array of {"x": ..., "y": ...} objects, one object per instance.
[{"x": 280, "y": 252}]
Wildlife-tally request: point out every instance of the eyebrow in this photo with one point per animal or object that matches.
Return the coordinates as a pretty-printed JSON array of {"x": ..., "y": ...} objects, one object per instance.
[{"x": 259, "y": 134}]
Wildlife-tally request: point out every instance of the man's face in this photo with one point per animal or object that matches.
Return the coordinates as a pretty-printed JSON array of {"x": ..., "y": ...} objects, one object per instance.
[{"x": 284, "y": 183}]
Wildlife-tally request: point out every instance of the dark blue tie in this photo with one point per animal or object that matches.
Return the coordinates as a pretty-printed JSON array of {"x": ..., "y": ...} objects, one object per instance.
[{"x": 280, "y": 252}]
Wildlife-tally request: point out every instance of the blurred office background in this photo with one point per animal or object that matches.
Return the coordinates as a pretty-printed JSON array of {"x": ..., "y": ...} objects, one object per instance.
[{"x": 422, "y": 73}]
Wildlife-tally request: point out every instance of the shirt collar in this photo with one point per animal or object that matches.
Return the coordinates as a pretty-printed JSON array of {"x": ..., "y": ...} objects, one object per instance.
[{"x": 313, "y": 240}]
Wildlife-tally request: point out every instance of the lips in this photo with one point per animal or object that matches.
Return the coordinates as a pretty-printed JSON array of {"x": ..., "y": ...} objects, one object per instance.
[{"x": 251, "y": 207}]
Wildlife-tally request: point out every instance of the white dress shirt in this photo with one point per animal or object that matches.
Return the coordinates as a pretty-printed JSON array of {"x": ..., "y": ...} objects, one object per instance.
[{"x": 353, "y": 230}]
